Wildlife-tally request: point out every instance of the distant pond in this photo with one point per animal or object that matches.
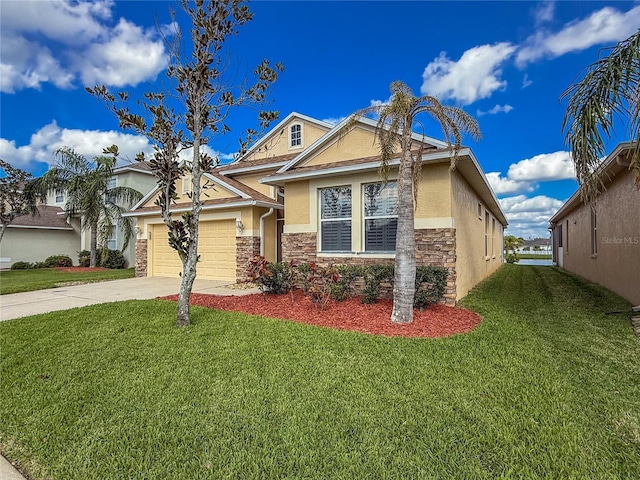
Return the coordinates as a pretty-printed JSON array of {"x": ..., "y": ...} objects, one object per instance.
[{"x": 536, "y": 262}]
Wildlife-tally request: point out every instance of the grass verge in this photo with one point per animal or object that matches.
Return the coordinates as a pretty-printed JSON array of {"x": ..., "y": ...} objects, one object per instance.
[
  {"x": 546, "y": 387},
  {"x": 16, "y": 281}
]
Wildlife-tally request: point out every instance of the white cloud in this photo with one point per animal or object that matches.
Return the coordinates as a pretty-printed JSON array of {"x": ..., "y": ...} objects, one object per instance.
[
  {"x": 496, "y": 109},
  {"x": 526, "y": 81},
  {"x": 545, "y": 11},
  {"x": 59, "y": 41},
  {"x": 543, "y": 167},
  {"x": 606, "y": 25},
  {"x": 503, "y": 185},
  {"x": 477, "y": 74},
  {"x": 529, "y": 217},
  {"x": 51, "y": 137},
  {"x": 333, "y": 120}
]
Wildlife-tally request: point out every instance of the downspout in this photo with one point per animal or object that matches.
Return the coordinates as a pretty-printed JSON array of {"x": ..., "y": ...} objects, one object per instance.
[{"x": 262, "y": 217}]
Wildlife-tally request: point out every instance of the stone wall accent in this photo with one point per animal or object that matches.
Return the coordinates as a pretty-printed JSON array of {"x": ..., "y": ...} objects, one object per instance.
[
  {"x": 141, "y": 258},
  {"x": 246, "y": 248},
  {"x": 435, "y": 247}
]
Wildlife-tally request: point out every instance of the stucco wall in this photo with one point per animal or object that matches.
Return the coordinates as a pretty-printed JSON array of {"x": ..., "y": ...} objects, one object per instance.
[
  {"x": 278, "y": 143},
  {"x": 35, "y": 245},
  {"x": 616, "y": 265},
  {"x": 472, "y": 265},
  {"x": 358, "y": 143}
]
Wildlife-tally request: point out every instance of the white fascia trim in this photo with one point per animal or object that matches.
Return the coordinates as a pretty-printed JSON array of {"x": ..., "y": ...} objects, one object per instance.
[
  {"x": 144, "y": 199},
  {"x": 69, "y": 229},
  {"x": 131, "y": 169},
  {"x": 468, "y": 152},
  {"x": 280, "y": 125},
  {"x": 240, "y": 193},
  {"x": 347, "y": 169},
  {"x": 255, "y": 168},
  {"x": 249, "y": 203}
]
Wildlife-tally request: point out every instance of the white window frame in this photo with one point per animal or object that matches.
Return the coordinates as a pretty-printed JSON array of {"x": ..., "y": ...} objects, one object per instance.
[
  {"x": 594, "y": 233},
  {"x": 114, "y": 181},
  {"x": 322, "y": 221},
  {"x": 366, "y": 217},
  {"x": 113, "y": 238},
  {"x": 187, "y": 181},
  {"x": 298, "y": 136},
  {"x": 59, "y": 195}
]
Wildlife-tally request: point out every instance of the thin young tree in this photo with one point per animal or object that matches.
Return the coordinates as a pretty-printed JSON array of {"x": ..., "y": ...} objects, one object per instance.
[
  {"x": 89, "y": 196},
  {"x": 17, "y": 198},
  {"x": 396, "y": 120},
  {"x": 608, "y": 92},
  {"x": 190, "y": 114}
]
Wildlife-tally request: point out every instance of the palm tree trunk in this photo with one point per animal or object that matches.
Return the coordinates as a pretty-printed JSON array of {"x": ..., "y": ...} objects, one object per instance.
[
  {"x": 94, "y": 246},
  {"x": 405, "y": 261}
]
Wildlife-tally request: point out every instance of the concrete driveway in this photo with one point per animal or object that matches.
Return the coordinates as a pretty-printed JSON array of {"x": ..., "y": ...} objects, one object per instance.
[{"x": 18, "y": 305}]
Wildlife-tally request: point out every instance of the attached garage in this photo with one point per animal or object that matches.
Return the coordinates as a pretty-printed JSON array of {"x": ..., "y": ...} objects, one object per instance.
[{"x": 216, "y": 247}]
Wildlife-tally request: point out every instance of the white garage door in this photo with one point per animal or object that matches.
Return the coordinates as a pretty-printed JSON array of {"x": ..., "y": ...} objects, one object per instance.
[{"x": 216, "y": 246}]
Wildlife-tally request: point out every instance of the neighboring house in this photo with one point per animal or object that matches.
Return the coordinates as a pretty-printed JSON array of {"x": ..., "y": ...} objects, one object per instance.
[
  {"x": 603, "y": 244},
  {"x": 309, "y": 192},
  {"x": 33, "y": 239}
]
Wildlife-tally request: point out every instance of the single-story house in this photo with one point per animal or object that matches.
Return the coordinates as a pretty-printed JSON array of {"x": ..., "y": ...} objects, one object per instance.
[
  {"x": 308, "y": 191},
  {"x": 33, "y": 239},
  {"x": 602, "y": 243}
]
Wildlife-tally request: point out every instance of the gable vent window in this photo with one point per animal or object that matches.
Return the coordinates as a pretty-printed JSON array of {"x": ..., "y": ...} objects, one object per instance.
[{"x": 296, "y": 136}]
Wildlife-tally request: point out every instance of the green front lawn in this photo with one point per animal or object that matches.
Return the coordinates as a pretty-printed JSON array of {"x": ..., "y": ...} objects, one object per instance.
[
  {"x": 15, "y": 281},
  {"x": 546, "y": 387}
]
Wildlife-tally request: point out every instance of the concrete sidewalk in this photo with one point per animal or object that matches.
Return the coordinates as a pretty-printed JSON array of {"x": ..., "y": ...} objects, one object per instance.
[
  {"x": 7, "y": 471},
  {"x": 18, "y": 305}
]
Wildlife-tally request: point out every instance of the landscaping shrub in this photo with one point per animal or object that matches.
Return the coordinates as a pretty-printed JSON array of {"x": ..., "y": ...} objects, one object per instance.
[
  {"x": 84, "y": 258},
  {"x": 511, "y": 258},
  {"x": 431, "y": 283},
  {"x": 58, "y": 261},
  {"x": 373, "y": 276},
  {"x": 113, "y": 259},
  {"x": 271, "y": 277},
  {"x": 343, "y": 288},
  {"x": 21, "y": 266}
]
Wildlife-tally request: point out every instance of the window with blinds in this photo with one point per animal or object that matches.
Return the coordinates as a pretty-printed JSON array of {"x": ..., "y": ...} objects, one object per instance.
[
  {"x": 335, "y": 219},
  {"x": 380, "y": 204}
]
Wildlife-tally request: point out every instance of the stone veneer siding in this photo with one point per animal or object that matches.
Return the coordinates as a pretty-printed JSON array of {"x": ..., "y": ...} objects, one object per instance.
[
  {"x": 246, "y": 248},
  {"x": 141, "y": 258},
  {"x": 435, "y": 247}
]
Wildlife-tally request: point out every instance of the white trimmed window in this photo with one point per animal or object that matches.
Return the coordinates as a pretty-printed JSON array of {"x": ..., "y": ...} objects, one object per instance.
[
  {"x": 111, "y": 183},
  {"x": 493, "y": 236},
  {"x": 594, "y": 233},
  {"x": 112, "y": 241},
  {"x": 380, "y": 215},
  {"x": 486, "y": 234},
  {"x": 59, "y": 195},
  {"x": 295, "y": 136},
  {"x": 187, "y": 183},
  {"x": 335, "y": 219}
]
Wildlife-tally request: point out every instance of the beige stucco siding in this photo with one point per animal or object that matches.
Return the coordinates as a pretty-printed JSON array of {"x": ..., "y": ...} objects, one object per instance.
[
  {"x": 251, "y": 180},
  {"x": 616, "y": 265},
  {"x": 434, "y": 192},
  {"x": 36, "y": 244},
  {"x": 278, "y": 143},
  {"x": 358, "y": 143},
  {"x": 472, "y": 265},
  {"x": 296, "y": 203}
]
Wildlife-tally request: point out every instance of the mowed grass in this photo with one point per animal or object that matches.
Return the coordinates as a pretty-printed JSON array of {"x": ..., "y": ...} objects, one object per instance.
[
  {"x": 16, "y": 281},
  {"x": 548, "y": 386}
]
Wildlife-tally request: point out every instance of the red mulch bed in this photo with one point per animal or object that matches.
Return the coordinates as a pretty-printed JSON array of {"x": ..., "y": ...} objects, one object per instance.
[
  {"x": 435, "y": 321},
  {"x": 80, "y": 269}
]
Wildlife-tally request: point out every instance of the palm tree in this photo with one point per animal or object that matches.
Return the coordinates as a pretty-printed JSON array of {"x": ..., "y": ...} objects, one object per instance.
[
  {"x": 89, "y": 195},
  {"x": 396, "y": 120},
  {"x": 609, "y": 91}
]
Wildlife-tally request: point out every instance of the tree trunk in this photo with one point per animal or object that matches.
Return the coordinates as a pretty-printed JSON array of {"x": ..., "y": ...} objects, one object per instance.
[
  {"x": 94, "y": 246},
  {"x": 405, "y": 261},
  {"x": 2, "y": 229},
  {"x": 183, "y": 317}
]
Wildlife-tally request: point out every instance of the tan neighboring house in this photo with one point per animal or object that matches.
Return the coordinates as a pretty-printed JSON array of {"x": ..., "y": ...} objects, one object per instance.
[
  {"x": 33, "y": 239},
  {"x": 306, "y": 192},
  {"x": 603, "y": 244}
]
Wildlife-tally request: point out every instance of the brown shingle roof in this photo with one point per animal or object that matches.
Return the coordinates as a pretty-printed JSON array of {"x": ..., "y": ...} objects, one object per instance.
[{"x": 49, "y": 217}]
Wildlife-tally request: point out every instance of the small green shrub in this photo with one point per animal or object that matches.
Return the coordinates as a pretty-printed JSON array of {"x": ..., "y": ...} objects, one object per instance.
[
  {"x": 113, "y": 259},
  {"x": 58, "y": 261},
  {"x": 21, "y": 266},
  {"x": 373, "y": 276},
  {"x": 271, "y": 277},
  {"x": 511, "y": 258},
  {"x": 342, "y": 289},
  {"x": 84, "y": 258},
  {"x": 431, "y": 283},
  {"x": 40, "y": 265}
]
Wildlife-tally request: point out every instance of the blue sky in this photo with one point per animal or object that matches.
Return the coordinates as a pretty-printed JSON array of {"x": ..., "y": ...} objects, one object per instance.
[{"x": 504, "y": 62}]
